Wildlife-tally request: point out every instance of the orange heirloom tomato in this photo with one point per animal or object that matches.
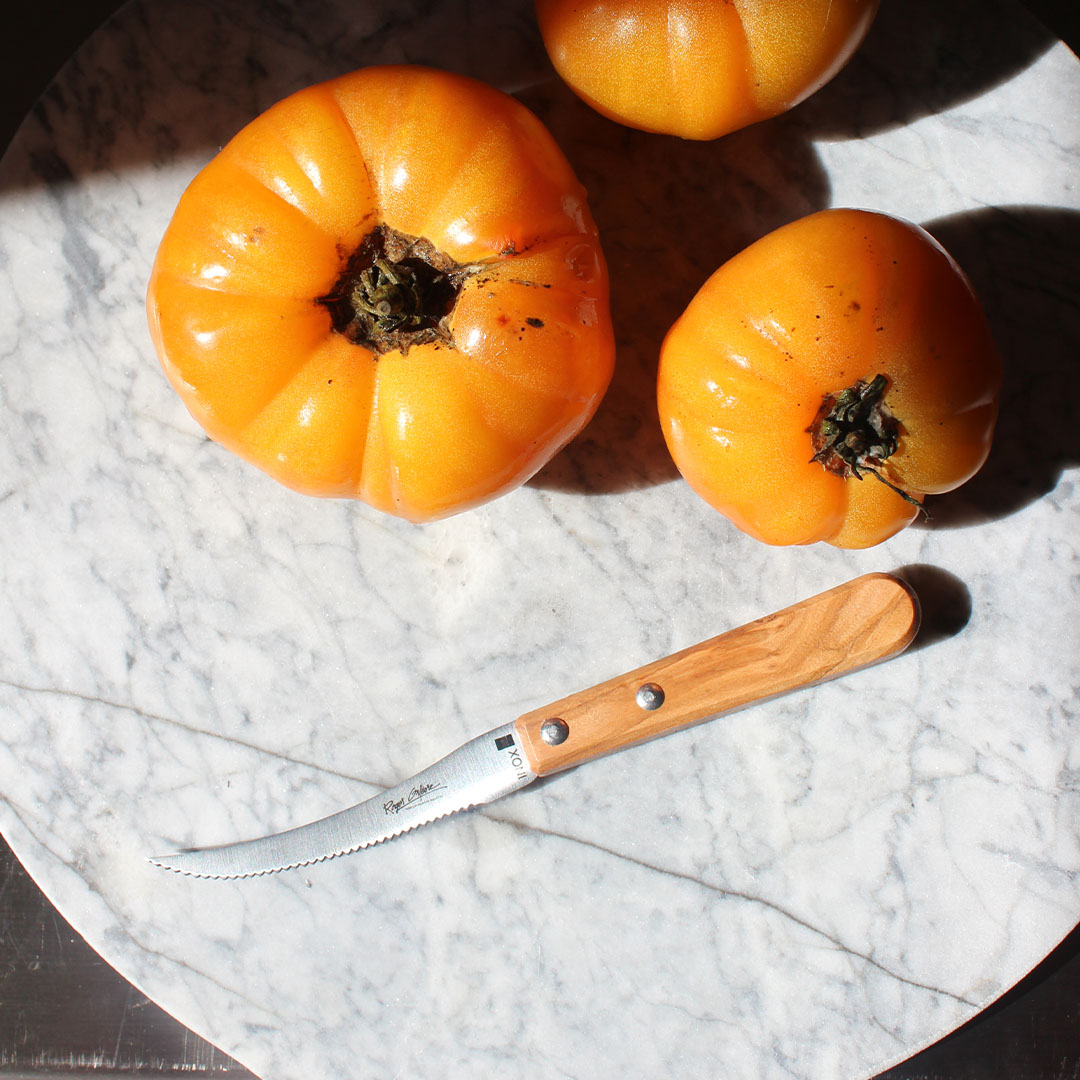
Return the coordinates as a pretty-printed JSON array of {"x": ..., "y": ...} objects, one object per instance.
[
  {"x": 389, "y": 287},
  {"x": 828, "y": 377},
  {"x": 699, "y": 68}
]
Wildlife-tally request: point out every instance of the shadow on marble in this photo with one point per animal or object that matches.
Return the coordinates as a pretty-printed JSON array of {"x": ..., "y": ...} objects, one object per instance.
[
  {"x": 161, "y": 85},
  {"x": 944, "y": 600},
  {"x": 1024, "y": 262},
  {"x": 920, "y": 57},
  {"x": 924, "y": 57},
  {"x": 670, "y": 212}
]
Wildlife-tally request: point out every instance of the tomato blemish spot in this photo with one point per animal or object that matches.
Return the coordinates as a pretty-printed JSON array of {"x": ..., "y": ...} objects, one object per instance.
[{"x": 533, "y": 321}]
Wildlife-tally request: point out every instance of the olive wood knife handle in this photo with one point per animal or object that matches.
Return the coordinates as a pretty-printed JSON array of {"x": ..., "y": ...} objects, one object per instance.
[{"x": 849, "y": 627}]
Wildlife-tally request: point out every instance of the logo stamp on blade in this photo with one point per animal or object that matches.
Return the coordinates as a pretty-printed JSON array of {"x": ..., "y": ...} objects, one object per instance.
[
  {"x": 417, "y": 796},
  {"x": 506, "y": 742}
]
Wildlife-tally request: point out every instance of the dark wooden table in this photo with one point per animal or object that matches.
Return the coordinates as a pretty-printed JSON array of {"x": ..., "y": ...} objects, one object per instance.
[{"x": 63, "y": 1010}]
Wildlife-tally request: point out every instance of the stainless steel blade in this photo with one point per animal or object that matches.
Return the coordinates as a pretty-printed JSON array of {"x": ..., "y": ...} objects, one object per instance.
[{"x": 484, "y": 769}]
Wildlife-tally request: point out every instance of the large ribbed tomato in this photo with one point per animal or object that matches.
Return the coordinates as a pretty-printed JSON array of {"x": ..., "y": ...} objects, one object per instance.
[
  {"x": 828, "y": 377},
  {"x": 699, "y": 68},
  {"x": 388, "y": 286}
]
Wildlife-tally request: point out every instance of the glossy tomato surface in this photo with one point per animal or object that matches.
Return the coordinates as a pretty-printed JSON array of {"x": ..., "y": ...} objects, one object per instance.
[
  {"x": 699, "y": 68},
  {"x": 840, "y": 301},
  {"x": 481, "y": 342}
]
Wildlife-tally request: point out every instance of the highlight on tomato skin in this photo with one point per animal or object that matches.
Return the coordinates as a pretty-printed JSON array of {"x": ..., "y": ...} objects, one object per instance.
[
  {"x": 387, "y": 287},
  {"x": 828, "y": 378},
  {"x": 699, "y": 69}
]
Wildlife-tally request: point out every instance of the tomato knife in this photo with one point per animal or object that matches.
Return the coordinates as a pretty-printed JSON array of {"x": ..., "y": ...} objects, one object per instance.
[{"x": 862, "y": 622}]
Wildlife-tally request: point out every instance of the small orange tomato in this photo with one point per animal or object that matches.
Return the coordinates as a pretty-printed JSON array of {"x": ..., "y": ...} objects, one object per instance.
[
  {"x": 699, "y": 68},
  {"x": 828, "y": 377},
  {"x": 388, "y": 287}
]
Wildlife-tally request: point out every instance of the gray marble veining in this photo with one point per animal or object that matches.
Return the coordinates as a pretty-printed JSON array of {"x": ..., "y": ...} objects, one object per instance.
[{"x": 192, "y": 654}]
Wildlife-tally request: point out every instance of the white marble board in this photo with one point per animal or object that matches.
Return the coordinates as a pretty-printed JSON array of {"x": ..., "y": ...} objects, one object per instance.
[{"x": 192, "y": 654}]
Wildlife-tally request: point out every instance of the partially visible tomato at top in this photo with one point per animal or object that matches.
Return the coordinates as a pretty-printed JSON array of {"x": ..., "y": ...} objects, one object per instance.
[
  {"x": 699, "y": 68},
  {"x": 387, "y": 287}
]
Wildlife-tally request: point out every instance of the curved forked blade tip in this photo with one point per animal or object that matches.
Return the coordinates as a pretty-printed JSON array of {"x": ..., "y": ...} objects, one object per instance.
[
  {"x": 234, "y": 861},
  {"x": 200, "y": 863}
]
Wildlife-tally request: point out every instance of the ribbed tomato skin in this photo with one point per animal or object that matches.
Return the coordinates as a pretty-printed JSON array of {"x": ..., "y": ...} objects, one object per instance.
[
  {"x": 266, "y": 229},
  {"x": 834, "y": 298},
  {"x": 699, "y": 68}
]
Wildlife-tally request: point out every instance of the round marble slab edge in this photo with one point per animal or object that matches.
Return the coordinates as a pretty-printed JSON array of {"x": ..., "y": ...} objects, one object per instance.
[{"x": 191, "y": 654}]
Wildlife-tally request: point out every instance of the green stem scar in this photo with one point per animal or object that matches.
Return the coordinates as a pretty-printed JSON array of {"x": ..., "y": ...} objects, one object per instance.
[{"x": 855, "y": 433}]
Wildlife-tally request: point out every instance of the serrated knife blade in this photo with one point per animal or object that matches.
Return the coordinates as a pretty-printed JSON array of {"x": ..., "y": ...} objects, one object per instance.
[
  {"x": 851, "y": 626},
  {"x": 482, "y": 770}
]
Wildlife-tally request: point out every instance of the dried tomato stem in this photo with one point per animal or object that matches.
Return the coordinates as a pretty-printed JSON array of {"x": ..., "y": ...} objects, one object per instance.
[
  {"x": 395, "y": 291},
  {"x": 855, "y": 432}
]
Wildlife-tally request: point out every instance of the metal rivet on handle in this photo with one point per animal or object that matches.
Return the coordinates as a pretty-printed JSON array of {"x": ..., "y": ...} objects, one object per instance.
[
  {"x": 554, "y": 731},
  {"x": 650, "y": 696}
]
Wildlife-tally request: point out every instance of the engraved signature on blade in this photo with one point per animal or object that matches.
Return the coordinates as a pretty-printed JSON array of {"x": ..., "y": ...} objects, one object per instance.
[{"x": 417, "y": 796}]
